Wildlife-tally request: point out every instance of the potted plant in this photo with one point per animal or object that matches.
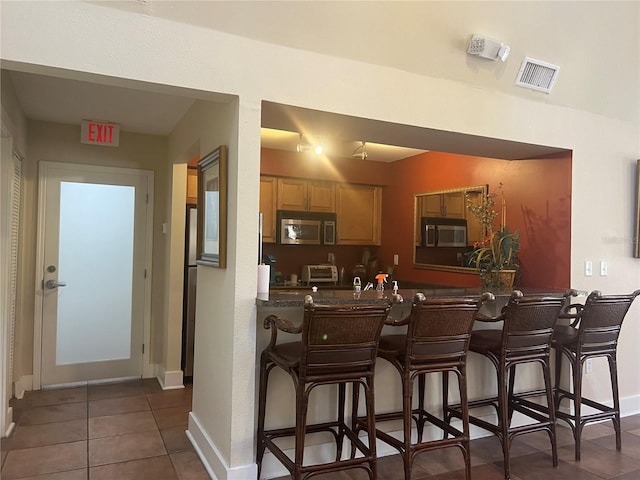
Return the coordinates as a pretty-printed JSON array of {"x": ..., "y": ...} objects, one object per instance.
[{"x": 496, "y": 255}]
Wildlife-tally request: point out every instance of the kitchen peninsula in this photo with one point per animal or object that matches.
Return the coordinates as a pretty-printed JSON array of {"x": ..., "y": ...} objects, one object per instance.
[{"x": 288, "y": 304}]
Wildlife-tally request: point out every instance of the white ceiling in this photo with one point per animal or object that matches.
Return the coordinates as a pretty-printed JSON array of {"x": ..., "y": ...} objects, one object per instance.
[{"x": 61, "y": 100}]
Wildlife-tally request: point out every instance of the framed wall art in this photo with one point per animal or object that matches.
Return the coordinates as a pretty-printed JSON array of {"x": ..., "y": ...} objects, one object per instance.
[{"x": 212, "y": 209}]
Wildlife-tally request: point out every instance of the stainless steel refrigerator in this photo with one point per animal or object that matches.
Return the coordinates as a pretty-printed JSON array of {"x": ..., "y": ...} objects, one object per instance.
[{"x": 190, "y": 276}]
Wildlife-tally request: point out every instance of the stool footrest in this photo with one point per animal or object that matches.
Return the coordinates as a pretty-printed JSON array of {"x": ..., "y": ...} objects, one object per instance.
[
  {"x": 605, "y": 411},
  {"x": 526, "y": 407},
  {"x": 271, "y": 435}
]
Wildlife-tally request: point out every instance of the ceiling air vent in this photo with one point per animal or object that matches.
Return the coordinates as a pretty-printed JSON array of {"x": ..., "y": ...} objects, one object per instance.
[{"x": 537, "y": 75}]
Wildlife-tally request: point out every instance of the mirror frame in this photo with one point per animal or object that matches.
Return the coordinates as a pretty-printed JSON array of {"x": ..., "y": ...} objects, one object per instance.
[
  {"x": 432, "y": 266},
  {"x": 212, "y": 214},
  {"x": 636, "y": 233}
]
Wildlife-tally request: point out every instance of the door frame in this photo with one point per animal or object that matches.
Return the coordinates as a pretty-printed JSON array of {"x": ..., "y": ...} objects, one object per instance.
[{"x": 44, "y": 166}]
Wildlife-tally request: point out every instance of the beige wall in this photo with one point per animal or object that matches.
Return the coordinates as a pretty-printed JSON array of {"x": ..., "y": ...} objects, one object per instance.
[{"x": 144, "y": 48}]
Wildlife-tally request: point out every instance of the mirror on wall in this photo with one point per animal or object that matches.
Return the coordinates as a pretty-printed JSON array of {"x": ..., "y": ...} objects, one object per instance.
[{"x": 444, "y": 229}]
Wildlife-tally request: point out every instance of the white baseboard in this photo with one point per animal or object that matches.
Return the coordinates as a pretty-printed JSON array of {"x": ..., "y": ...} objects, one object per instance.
[
  {"x": 629, "y": 406},
  {"x": 170, "y": 380},
  {"x": 23, "y": 384},
  {"x": 210, "y": 456},
  {"x": 272, "y": 468},
  {"x": 10, "y": 424}
]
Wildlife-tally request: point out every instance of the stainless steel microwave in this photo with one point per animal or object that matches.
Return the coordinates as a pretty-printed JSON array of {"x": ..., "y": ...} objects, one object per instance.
[
  {"x": 444, "y": 232},
  {"x": 306, "y": 228}
]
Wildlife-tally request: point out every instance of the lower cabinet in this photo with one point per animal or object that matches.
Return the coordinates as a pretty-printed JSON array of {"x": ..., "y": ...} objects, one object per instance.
[{"x": 358, "y": 214}]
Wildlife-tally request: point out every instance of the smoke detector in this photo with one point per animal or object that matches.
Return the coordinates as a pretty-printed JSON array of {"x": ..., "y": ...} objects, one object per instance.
[{"x": 488, "y": 48}]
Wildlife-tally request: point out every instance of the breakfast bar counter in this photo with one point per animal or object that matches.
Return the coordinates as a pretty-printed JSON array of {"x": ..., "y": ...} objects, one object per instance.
[
  {"x": 288, "y": 304},
  {"x": 282, "y": 298}
]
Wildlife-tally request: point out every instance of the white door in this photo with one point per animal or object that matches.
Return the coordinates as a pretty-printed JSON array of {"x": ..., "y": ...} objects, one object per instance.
[{"x": 94, "y": 250}]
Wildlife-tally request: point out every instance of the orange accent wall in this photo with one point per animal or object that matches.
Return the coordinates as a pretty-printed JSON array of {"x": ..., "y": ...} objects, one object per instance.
[{"x": 537, "y": 193}]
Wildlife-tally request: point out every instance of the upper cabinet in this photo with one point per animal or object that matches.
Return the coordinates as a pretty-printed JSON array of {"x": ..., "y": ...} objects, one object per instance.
[
  {"x": 192, "y": 186},
  {"x": 359, "y": 214},
  {"x": 358, "y": 208},
  {"x": 268, "y": 195},
  {"x": 306, "y": 195},
  {"x": 449, "y": 205}
]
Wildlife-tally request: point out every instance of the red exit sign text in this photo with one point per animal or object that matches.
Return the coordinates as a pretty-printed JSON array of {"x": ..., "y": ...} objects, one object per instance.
[{"x": 97, "y": 133}]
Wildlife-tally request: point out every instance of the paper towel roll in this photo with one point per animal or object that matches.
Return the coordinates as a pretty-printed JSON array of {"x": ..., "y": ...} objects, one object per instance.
[{"x": 263, "y": 278}]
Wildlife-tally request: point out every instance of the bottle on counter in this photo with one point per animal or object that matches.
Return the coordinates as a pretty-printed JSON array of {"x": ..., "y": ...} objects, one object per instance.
[
  {"x": 381, "y": 278},
  {"x": 356, "y": 284}
]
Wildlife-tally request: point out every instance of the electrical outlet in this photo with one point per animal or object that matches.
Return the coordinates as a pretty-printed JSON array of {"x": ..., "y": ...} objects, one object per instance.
[
  {"x": 588, "y": 268},
  {"x": 395, "y": 260},
  {"x": 588, "y": 366}
]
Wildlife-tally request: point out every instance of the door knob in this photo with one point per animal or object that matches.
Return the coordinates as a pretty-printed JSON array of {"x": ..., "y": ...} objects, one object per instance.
[{"x": 54, "y": 284}]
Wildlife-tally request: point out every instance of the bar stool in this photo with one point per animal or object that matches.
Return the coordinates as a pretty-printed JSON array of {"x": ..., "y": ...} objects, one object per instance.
[
  {"x": 593, "y": 333},
  {"x": 524, "y": 338},
  {"x": 338, "y": 345},
  {"x": 437, "y": 340}
]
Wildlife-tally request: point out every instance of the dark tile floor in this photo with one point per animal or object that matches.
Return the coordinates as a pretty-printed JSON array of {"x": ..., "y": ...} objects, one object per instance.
[
  {"x": 530, "y": 458},
  {"x": 124, "y": 431},
  {"x": 135, "y": 430}
]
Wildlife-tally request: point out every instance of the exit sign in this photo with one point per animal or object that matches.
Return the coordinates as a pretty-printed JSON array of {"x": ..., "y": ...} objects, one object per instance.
[{"x": 97, "y": 133}]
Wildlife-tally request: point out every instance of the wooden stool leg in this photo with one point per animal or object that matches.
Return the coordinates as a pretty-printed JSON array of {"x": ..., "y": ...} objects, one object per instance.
[
  {"x": 371, "y": 427},
  {"x": 577, "y": 405},
  {"x": 546, "y": 372},
  {"x": 503, "y": 417},
  {"x": 302, "y": 403},
  {"x": 558, "y": 373},
  {"x": 420, "y": 419},
  {"x": 262, "y": 405},
  {"x": 464, "y": 407},
  {"x": 446, "y": 414},
  {"x": 613, "y": 371},
  {"x": 355, "y": 426},
  {"x": 341, "y": 424},
  {"x": 407, "y": 398}
]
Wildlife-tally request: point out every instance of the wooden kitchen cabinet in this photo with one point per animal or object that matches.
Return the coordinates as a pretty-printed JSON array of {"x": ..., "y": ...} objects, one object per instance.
[
  {"x": 358, "y": 214},
  {"x": 306, "y": 195},
  {"x": 268, "y": 206},
  {"x": 192, "y": 186},
  {"x": 447, "y": 205}
]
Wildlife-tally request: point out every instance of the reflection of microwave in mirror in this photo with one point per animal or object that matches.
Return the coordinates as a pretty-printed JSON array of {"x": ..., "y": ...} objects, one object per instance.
[{"x": 443, "y": 232}]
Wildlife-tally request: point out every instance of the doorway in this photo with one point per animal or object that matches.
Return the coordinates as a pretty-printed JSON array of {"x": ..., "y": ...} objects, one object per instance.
[{"x": 93, "y": 273}]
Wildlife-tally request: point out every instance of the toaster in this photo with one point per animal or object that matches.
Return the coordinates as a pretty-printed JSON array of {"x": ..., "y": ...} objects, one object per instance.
[{"x": 319, "y": 274}]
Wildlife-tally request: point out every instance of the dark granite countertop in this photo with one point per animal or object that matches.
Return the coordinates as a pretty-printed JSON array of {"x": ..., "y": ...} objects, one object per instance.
[{"x": 328, "y": 295}]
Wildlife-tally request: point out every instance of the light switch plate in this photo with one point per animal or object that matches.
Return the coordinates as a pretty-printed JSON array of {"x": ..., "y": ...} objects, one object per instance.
[
  {"x": 604, "y": 268},
  {"x": 588, "y": 268}
]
